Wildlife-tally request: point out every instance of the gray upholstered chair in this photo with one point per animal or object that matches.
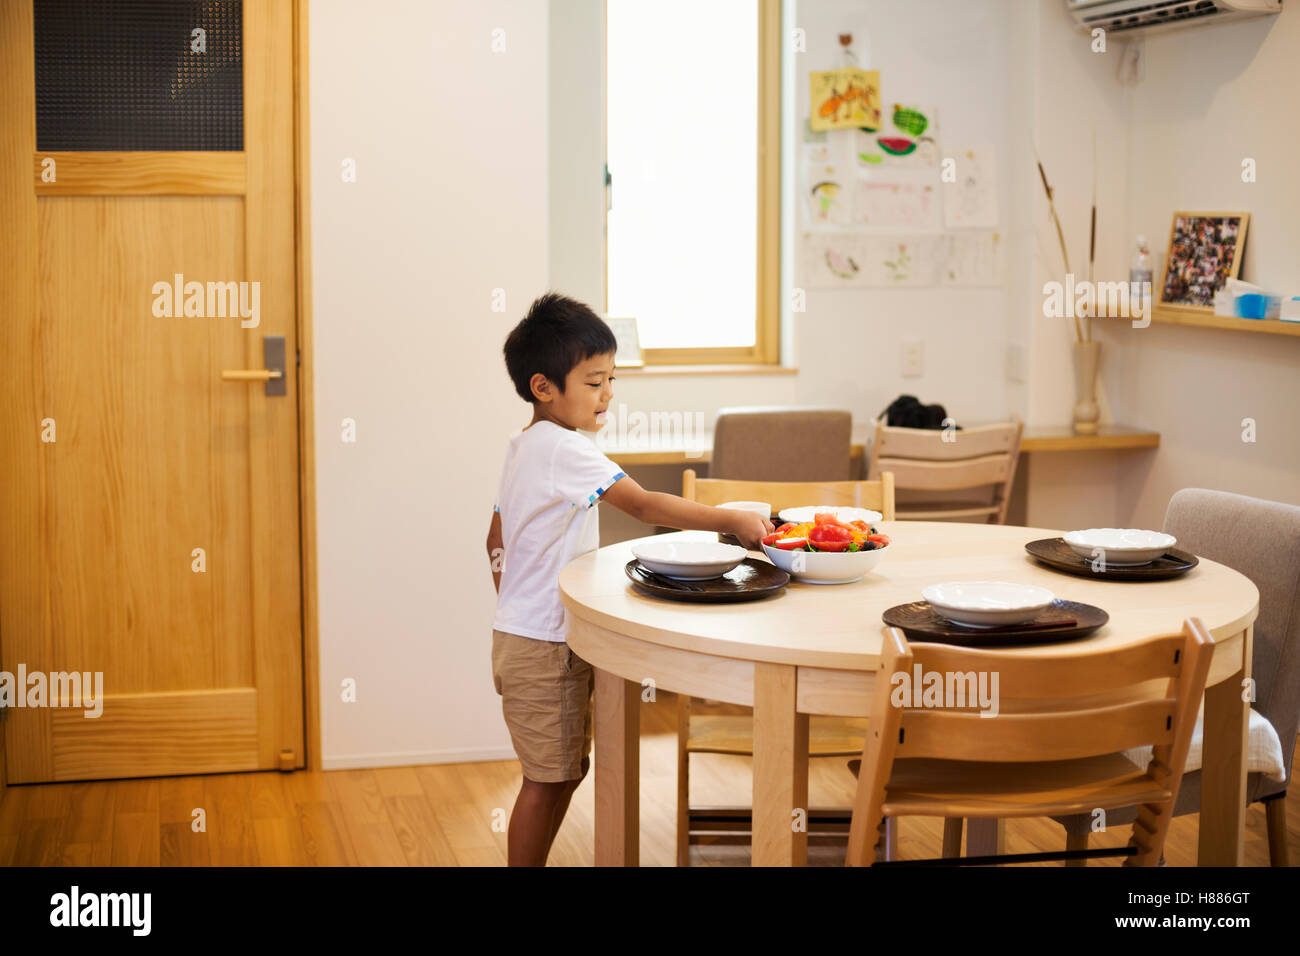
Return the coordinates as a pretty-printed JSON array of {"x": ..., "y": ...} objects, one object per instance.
[
  {"x": 782, "y": 444},
  {"x": 1261, "y": 539}
]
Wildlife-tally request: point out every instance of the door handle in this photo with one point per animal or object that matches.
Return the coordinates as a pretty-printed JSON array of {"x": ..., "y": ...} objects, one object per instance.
[{"x": 272, "y": 375}]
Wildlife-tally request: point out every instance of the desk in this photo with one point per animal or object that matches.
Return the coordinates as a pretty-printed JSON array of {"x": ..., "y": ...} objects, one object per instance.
[
  {"x": 681, "y": 448},
  {"x": 813, "y": 650}
]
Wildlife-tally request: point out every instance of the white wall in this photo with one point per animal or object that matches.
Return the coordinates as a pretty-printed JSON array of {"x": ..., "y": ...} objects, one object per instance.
[
  {"x": 1175, "y": 141},
  {"x": 1211, "y": 98},
  {"x": 450, "y": 143}
]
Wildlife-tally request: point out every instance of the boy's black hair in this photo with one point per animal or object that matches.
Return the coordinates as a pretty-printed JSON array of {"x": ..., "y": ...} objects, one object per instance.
[{"x": 555, "y": 335}]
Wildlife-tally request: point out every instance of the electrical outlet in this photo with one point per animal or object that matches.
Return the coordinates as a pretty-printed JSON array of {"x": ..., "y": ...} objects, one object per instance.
[
  {"x": 913, "y": 359},
  {"x": 1015, "y": 362}
]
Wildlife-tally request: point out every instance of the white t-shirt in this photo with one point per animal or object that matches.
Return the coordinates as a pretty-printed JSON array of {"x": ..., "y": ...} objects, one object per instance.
[{"x": 551, "y": 484}]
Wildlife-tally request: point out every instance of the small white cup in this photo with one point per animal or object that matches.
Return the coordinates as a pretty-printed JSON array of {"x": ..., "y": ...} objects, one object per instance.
[{"x": 758, "y": 507}]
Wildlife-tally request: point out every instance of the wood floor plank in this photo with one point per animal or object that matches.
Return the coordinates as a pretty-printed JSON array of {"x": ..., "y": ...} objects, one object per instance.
[{"x": 455, "y": 815}]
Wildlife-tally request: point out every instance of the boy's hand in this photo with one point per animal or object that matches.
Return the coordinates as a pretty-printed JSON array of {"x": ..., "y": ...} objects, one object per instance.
[{"x": 750, "y": 528}]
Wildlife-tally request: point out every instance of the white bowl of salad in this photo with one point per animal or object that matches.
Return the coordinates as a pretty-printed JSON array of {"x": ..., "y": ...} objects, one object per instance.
[{"x": 826, "y": 550}]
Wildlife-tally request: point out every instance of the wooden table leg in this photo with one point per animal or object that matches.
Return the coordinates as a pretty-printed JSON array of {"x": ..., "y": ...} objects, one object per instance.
[
  {"x": 1223, "y": 767},
  {"x": 985, "y": 836},
  {"x": 780, "y": 769},
  {"x": 617, "y": 740}
]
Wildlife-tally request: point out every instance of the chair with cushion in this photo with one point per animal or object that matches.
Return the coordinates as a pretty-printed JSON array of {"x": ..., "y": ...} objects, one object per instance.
[
  {"x": 782, "y": 444},
  {"x": 931, "y": 463},
  {"x": 1051, "y": 747},
  {"x": 731, "y": 733},
  {"x": 1261, "y": 539}
]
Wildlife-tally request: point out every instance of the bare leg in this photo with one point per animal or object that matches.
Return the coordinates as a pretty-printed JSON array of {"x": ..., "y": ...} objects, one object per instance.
[
  {"x": 532, "y": 825},
  {"x": 562, "y": 807}
]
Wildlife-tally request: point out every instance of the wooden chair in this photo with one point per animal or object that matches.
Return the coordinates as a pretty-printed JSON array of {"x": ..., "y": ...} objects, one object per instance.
[
  {"x": 1230, "y": 529},
  {"x": 734, "y": 733},
  {"x": 1053, "y": 746},
  {"x": 922, "y": 461}
]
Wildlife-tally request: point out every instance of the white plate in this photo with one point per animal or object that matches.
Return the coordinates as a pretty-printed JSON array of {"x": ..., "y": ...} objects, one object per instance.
[
  {"x": 809, "y": 512},
  {"x": 988, "y": 603},
  {"x": 689, "y": 560},
  {"x": 1122, "y": 547},
  {"x": 825, "y": 567}
]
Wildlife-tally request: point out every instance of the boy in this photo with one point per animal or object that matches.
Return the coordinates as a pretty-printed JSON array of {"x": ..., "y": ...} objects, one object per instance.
[{"x": 561, "y": 360}]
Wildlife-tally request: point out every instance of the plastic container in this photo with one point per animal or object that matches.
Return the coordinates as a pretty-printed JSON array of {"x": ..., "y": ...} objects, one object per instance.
[{"x": 1252, "y": 305}]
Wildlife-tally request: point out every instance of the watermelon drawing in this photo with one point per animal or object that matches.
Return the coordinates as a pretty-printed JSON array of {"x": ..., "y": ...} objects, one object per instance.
[
  {"x": 842, "y": 266},
  {"x": 896, "y": 145}
]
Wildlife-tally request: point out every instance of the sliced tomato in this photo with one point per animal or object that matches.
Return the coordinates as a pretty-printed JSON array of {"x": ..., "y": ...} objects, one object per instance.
[
  {"x": 770, "y": 540},
  {"x": 830, "y": 537},
  {"x": 791, "y": 544},
  {"x": 880, "y": 539},
  {"x": 860, "y": 525},
  {"x": 832, "y": 545},
  {"x": 828, "y": 518},
  {"x": 784, "y": 528}
]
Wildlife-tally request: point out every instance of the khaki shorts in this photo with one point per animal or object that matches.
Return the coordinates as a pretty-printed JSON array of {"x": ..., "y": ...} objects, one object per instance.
[{"x": 545, "y": 693}]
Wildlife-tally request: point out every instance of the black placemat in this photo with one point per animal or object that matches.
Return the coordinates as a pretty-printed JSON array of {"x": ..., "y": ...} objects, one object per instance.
[
  {"x": 1056, "y": 554},
  {"x": 921, "y": 622},
  {"x": 748, "y": 581}
]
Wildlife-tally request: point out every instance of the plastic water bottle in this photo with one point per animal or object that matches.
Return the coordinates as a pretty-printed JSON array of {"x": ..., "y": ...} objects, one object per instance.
[{"x": 1140, "y": 272}]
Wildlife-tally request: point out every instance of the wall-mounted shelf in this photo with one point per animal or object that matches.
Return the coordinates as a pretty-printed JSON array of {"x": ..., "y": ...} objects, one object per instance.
[{"x": 1207, "y": 320}]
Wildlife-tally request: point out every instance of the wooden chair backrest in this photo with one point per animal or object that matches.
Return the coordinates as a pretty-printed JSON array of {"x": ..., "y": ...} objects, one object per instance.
[
  {"x": 924, "y": 459},
  {"x": 1051, "y": 707},
  {"x": 877, "y": 495}
]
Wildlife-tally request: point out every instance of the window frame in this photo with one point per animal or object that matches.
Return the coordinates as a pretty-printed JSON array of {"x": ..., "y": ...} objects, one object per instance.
[{"x": 767, "y": 318}]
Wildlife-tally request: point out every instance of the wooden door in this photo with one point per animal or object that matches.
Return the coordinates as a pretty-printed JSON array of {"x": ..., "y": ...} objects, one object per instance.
[{"x": 149, "y": 510}]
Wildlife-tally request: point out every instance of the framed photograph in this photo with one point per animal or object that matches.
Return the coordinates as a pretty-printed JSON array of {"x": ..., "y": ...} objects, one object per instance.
[
  {"x": 1205, "y": 251},
  {"x": 629, "y": 346}
]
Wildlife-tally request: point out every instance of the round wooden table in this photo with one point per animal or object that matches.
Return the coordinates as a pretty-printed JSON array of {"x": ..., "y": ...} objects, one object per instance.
[{"x": 812, "y": 650}]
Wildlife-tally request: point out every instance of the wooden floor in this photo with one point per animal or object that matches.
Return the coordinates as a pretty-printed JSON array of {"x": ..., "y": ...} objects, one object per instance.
[{"x": 448, "y": 815}]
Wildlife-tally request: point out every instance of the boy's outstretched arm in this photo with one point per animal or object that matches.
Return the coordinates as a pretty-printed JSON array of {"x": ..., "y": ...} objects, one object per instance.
[
  {"x": 671, "y": 511},
  {"x": 496, "y": 549}
]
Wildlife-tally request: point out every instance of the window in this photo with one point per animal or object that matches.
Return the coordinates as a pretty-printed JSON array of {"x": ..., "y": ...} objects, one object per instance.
[
  {"x": 139, "y": 75},
  {"x": 693, "y": 154}
]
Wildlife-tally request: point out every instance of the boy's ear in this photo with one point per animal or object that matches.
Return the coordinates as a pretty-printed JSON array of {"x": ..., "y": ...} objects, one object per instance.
[{"x": 541, "y": 387}]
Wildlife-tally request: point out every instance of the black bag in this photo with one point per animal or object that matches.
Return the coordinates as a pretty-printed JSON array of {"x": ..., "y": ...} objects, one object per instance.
[{"x": 906, "y": 411}]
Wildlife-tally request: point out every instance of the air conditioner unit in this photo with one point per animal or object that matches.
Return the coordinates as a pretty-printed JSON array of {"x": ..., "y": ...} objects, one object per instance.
[{"x": 1131, "y": 17}]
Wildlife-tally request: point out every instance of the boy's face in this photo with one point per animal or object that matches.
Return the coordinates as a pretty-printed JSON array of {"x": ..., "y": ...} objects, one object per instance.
[{"x": 588, "y": 389}]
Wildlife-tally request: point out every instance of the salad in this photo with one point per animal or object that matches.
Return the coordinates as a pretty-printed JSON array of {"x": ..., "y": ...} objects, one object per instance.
[{"x": 826, "y": 533}]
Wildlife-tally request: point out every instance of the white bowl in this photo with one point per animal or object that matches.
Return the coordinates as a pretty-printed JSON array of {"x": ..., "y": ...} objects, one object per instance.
[
  {"x": 689, "y": 560},
  {"x": 758, "y": 507},
  {"x": 988, "y": 603},
  {"x": 1122, "y": 547},
  {"x": 809, "y": 512},
  {"x": 825, "y": 567}
]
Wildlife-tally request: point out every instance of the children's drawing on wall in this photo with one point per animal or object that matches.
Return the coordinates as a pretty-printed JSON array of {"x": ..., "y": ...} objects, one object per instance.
[
  {"x": 827, "y": 198},
  {"x": 816, "y": 145},
  {"x": 831, "y": 259},
  {"x": 907, "y": 141},
  {"x": 896, "y": 205},
  {"x": 972, "y": 259},
  {"x": 845, "y": 99},
  {"x": 854, "y": 260},
  {"x": 970, "y": 199},
  {"x": 904, "y": 260}
]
